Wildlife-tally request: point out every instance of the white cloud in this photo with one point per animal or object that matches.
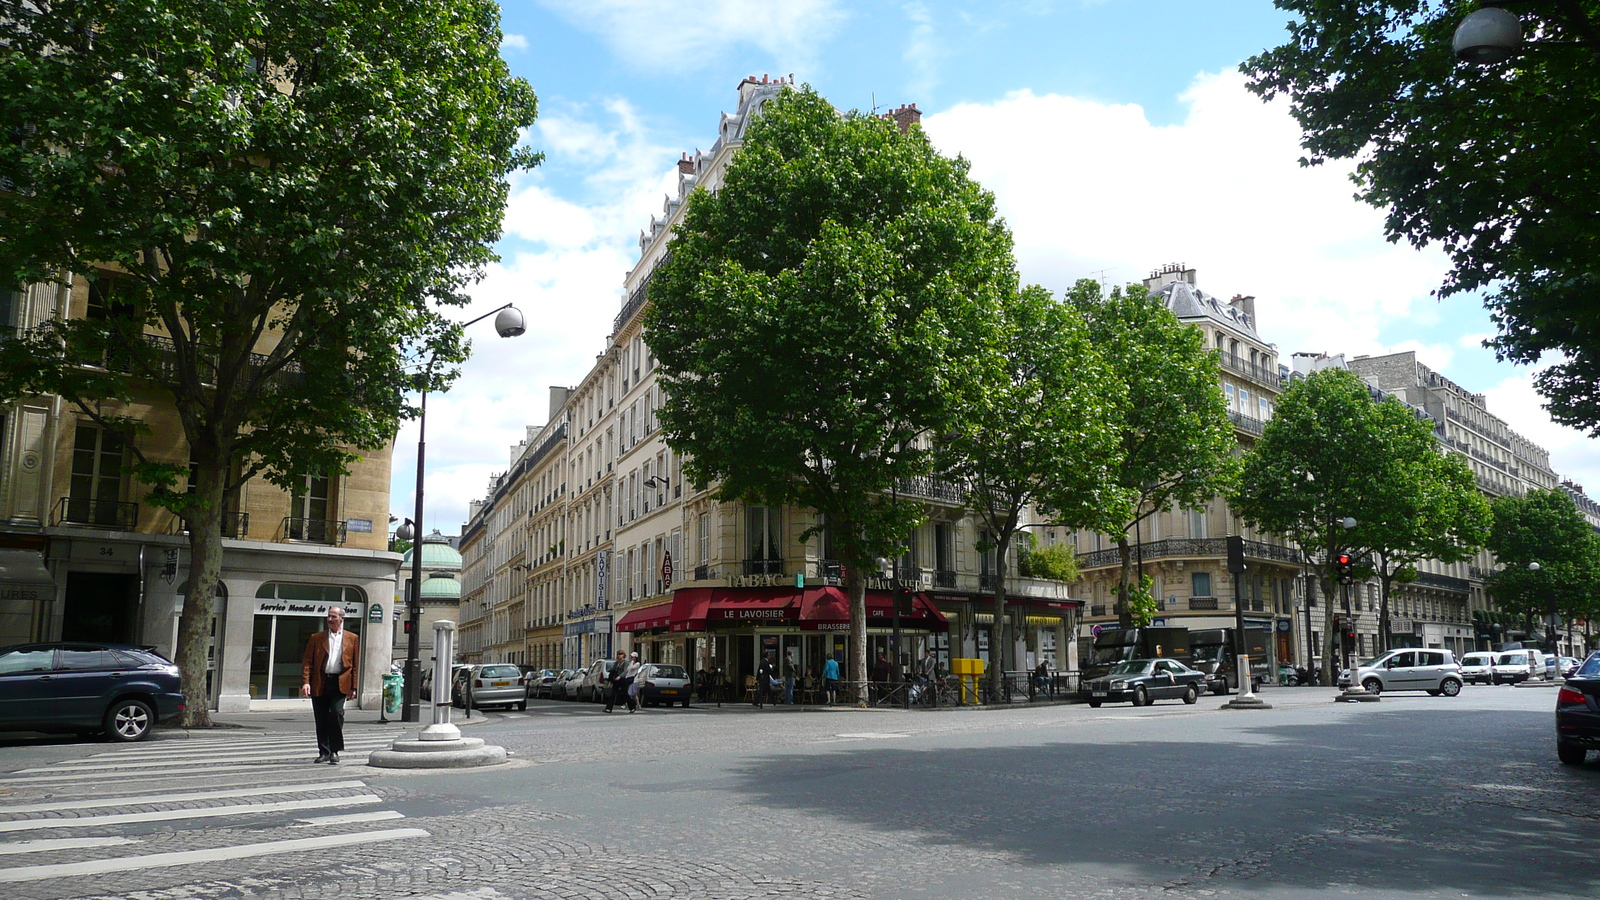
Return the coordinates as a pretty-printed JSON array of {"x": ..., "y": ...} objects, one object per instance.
[
  {"x": 652, "y": 35},
  {"x": 514, "y": 41},
  {"x": 923, "y": 51},
  {"x": 1571, "y": 454}
]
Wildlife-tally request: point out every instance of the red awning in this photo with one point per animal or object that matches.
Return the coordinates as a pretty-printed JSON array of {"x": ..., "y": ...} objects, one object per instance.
[
  {"x": 828, "y": 609},
  {"x": 692, "y": 608},
  {"x": 647, "y": 619}
]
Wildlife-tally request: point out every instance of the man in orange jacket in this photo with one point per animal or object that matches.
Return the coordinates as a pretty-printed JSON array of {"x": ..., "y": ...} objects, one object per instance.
[{"x": 328, "y": 676}]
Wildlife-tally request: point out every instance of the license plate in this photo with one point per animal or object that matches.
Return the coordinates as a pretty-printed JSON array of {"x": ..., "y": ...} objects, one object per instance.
[
  {"x": 501, "y": 684},
  {"x": 1097, "y": 693},
  {"x": 669, "y": 690}
]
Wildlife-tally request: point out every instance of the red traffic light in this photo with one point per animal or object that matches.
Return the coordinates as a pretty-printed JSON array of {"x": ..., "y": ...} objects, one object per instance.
[{"x": 1344, "y": 559}]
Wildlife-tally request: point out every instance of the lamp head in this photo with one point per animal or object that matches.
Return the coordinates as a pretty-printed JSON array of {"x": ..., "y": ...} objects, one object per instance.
[
  {"x": 1487, "y": 36},
  {"x": 509, "y": 322},
  {"x": 404, "y": 531}
]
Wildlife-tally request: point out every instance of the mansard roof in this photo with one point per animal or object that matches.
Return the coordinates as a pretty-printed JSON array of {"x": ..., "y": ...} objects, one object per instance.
[{"x": 1189, "y": 302}]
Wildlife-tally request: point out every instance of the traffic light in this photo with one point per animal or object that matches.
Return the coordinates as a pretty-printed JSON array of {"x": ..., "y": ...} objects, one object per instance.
[
  {"x": 408, "y": 626},
  {"x": 1350, "y": 633},
  {"x": 1235, "y": 554},
  {"x": 1343, "y": 564},
  {"x": 902, "y": 600}
]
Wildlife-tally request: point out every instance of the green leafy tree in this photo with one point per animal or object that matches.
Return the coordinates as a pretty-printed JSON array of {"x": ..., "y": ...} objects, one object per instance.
[
  {"x": 1544, "y": 527},
  {"x": 1476, "y": 159},
  {"x": 1442, "y": 517},
  {"x": 277, "y": 198},
  {"x": 1040, "y": 433},
  {"x": 1332, "y": 452},
  {"x": 1177, "y": 444},
  {"x": 1139, "y": 602},
  {"x": 821, "y": 315}
]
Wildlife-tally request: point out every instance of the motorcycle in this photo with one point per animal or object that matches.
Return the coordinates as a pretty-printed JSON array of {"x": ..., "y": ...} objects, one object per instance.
[{"x": 1292, "y": 676}]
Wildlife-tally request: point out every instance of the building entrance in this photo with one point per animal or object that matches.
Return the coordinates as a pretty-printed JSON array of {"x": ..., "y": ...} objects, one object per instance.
[{"x": 100, "y": 607}]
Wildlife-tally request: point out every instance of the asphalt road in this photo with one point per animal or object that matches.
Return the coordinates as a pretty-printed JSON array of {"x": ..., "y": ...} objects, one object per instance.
[{"x": 1414, "y": 796}]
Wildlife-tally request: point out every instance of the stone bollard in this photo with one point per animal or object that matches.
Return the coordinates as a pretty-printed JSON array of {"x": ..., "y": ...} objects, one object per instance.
[{"x": 440, "y": 745}]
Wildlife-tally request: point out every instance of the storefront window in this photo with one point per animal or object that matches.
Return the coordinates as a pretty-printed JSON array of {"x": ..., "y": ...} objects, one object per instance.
[{"x": 287, "y": 615}]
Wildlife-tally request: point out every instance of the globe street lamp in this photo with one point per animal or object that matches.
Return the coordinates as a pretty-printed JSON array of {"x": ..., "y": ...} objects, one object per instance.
[
  {"x": 509, "y": 323},
  {"x": 1550, "y": 618},
  {"x": 1487, "y": 36}
]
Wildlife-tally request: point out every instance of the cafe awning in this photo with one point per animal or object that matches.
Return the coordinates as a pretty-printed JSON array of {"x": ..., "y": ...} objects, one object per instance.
[
  {"x": 650, "y": 618},
  {"x": 693, "y": 608},
  {"x": 828, "y": 609}
]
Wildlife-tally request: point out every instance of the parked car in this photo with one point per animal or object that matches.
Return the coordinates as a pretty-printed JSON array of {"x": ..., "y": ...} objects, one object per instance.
[
  {"x": 593, "y": 686},
  {"x": 663, "y": 683},
  {"x": 558, "y": 687},
  {"x": 118, "y": 690},
  {"x": 1409, "y": 669},
  {"x": 1568, "y": 666},
  {"x": 425, "y": 684},
  {"x": 1511, "y": 667},
  {"x": 575, "y": 680},
  {"x": 540, "y": 681},
  {"x": 491, "y": 684},
  {"x": 1144, "y": 681},
  {"x": 1578, "y": 713},
  {"x": 1476, "y": 667}
]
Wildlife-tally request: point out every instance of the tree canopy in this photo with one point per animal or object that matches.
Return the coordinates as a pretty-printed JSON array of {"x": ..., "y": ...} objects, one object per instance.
[
  {"x": 1544, "y": 527},
  {"x": 1333, "y": 452},
  {"x": 821, "y": 315},
  {"x": 1041, "y": 432},
  {"x": 273, "y": 202},
  {"x": 1492, "y": 163},
  {"x": 1175, "y": 441}
]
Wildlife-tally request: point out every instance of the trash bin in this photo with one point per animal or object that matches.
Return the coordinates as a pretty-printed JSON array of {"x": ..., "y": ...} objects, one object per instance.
[{"x": 393, "y": 685}]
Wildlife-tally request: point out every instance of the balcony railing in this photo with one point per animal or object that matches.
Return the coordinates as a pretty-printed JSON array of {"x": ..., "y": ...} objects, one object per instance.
[
  {"x": 314, "y": 531},
  {"x": 763, "y": 567},
  {"x": 1247, "y": 424},
  {"x": 234, "y": 525},
  {"x": 1446, "y": 582},
  {"x": 112, "y": 514},
  {"x": 1203, "y": 603},
  {"x": 827, "y": 568},
  {"x": 929, "y": 488},
  {"x": 1254, "y": 371},
  {"x": 1185, "y": 548},
  {"x": 944, "y": 579}
]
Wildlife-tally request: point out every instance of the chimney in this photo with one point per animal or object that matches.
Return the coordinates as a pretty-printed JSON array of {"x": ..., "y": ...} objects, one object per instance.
[
  {"x": 685, "y": 165},
  {"x": 1167, "y": 274},
  {"x": 1246, "y": 304},
  {"x": 558, "y": 400},
  {"x": 906, "y": 116}
]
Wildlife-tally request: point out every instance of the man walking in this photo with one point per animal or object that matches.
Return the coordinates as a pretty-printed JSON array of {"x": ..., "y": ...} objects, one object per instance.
[
  {"x": 788, "y": 677},
  {"x": 328, "y": 677},
  {"x": 764, "y": 676},
  {"x": 616, "y": 677}
]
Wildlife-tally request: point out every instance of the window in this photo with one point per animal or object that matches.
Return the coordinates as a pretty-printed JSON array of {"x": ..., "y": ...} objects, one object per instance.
[
  {"x": 1227, "y": 391},
  {"x": 944, "y": 555},
  {"x": 1200, "y": 584},
  {"x": 1197, "y": 523},
  {"x": 761, "y": 538},
  {"x": 704, "y": 534},
  {"x": 309, "y": 506},
  {"x": 11, "y": 303},
  {"x": 96, "y": 485}
]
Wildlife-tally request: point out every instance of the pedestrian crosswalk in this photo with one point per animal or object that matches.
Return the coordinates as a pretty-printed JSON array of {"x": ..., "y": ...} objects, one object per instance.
[{"x": 173, "y": 811}]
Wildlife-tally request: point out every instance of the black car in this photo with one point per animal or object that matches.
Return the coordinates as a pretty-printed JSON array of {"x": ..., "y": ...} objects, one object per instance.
[
  {"x": 1144, "y": 681},
  {"x": 117, "y": 689},
  {"x": 1578, "y": 713}
]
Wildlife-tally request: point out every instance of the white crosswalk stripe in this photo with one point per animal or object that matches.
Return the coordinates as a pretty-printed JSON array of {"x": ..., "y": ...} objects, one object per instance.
[{"x": 93, "y": 815}]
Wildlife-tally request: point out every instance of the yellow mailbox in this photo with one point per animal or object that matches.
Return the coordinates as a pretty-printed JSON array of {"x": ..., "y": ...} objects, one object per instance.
[{"x": 969, "y": 671}]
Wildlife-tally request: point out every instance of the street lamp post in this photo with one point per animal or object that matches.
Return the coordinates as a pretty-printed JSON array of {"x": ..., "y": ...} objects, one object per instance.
[
  {"x": 1551, "y": 639},
  {"x": 508, "y": 322}
]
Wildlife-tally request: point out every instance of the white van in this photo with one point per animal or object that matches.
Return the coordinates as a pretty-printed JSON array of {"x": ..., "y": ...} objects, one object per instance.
[
  {"x": 1477, "y": 667},
  {"x": 1511, "y": 667},
  {"x": 1536, "y": 662}
]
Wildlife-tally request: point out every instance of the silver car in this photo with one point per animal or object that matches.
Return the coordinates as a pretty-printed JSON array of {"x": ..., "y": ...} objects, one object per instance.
[
  {"x": 493, "y": 684},
  {"x": 1410, "y": 669},
  {"x": 663, "y": 683}
]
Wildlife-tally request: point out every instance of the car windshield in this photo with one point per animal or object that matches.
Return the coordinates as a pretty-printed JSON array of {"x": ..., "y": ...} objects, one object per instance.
[
  {"x": 1515, "y": 659},
  {"x": 669, "y": 672},
  {"x": 1206, "y": 653},
  {"x": 500, "y": 672},
  {"x": 1591, "y": 666},
  {"x": 1131, "y": 667}
]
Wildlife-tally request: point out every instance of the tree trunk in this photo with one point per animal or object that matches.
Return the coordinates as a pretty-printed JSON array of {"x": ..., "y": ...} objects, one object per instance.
[
  {"x": 1124, "y": 614},
  {"x": 855, "y": 584},
  {"x": 997, "y": 629},
  {"x": 204, "y": 520},
  {"x": 1332, "y": 643},
  {"x": 1383, "y": 611}
]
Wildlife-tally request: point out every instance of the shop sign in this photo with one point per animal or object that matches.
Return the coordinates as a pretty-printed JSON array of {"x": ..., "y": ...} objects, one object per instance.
[
  {"x": 305, "y": 608},
  {"x": 760, "y": 581},
  {"x": 601, "y": 567},
  {"x": 829, "y": 626},
  {"x": 666, "y": 570},
  {"x": 1284, "y": 626},
  {"x": 774, "y": 614},
  {"x": 359, "y": 526}
]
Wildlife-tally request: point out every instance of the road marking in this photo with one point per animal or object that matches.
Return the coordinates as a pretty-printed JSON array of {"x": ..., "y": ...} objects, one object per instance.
[
  {"x": 191, "y": 857},
  {"x": 153, "y": 764},
  {"x": 186, "y": 775},
  {"x": 378, "y": 816},
  {"x": 872, "y": 735},
  {"x": 63, "y": 844},
  {"x": 139, "y": 799},
  {"x": 213, "y": 749},
  {"x": 207, "y": 813}
]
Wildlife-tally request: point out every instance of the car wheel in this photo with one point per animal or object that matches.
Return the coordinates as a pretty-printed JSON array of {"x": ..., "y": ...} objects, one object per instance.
[
  {"x": 1569, "y": 754},
  {"x": 1450, "y": 687},
  {"x": 1373, "y": 686},
  {"x": 1141, "y": 697},
  {"x": 129, "y": 720},
  {"x": 522, "y": 706},
  {"x": 1191, "y": 695},
  {"x": 685, "y": 704},
  {"x": 1094, "y": 704}
]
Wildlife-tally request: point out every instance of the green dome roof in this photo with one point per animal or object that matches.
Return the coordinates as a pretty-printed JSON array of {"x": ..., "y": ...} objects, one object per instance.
[
  {"x": 440, "y": 588},
  {"x": 436, "y": 555}
]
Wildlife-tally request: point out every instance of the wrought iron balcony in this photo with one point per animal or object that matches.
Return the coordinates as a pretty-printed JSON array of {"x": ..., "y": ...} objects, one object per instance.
[
  {"x": 1247, "y": 424},
  {"x": 313, "y": 531},
  {"x": 1187, "y": 548},
  {"x": 234, "y": 525},
  {"x": 944, "y": 579},
  {"x": 927, "y": 487},
  {"x": 827, "y": 568},
  {"x": 113, "y": 514},
  {"x": 763, "y": 567},
  {"x": 1256, "y": 372}
]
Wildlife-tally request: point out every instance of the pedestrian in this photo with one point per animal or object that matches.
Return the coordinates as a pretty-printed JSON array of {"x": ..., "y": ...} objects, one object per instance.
[
  {"x": 788, "y": 677},
  {"x": 328, "y": 677},
  {"x": 1041, "y": 676},
  {"x": 880, "y": 675},
  {"x": 630, "y": 675},
  {"x": 765, "y": 675},
  {"x": 614, "y": 677},
  {"x": 702, "y": 683},
  {"x": 930, "y": 665},
  {"x": 830, "y": 679}
]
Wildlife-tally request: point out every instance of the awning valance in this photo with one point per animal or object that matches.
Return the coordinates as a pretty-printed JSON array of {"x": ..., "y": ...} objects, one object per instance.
[{"x": 649, "y": 618}]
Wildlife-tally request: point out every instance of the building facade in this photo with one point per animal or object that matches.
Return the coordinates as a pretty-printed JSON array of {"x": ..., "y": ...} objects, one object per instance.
[{"x": 83, "y": 556}]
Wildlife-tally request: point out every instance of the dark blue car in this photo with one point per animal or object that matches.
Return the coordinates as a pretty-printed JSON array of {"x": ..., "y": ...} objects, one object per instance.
[
  {"x": 116, "y": 689},
  {"x": 1578, "y": 713}
]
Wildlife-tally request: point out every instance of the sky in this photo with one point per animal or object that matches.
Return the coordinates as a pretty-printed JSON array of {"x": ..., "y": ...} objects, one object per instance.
[{"x": 1117, "y": 136}]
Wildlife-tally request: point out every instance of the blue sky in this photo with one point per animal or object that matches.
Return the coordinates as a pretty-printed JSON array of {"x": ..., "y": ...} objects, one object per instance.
[{"x": 1116, "y": 135}]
